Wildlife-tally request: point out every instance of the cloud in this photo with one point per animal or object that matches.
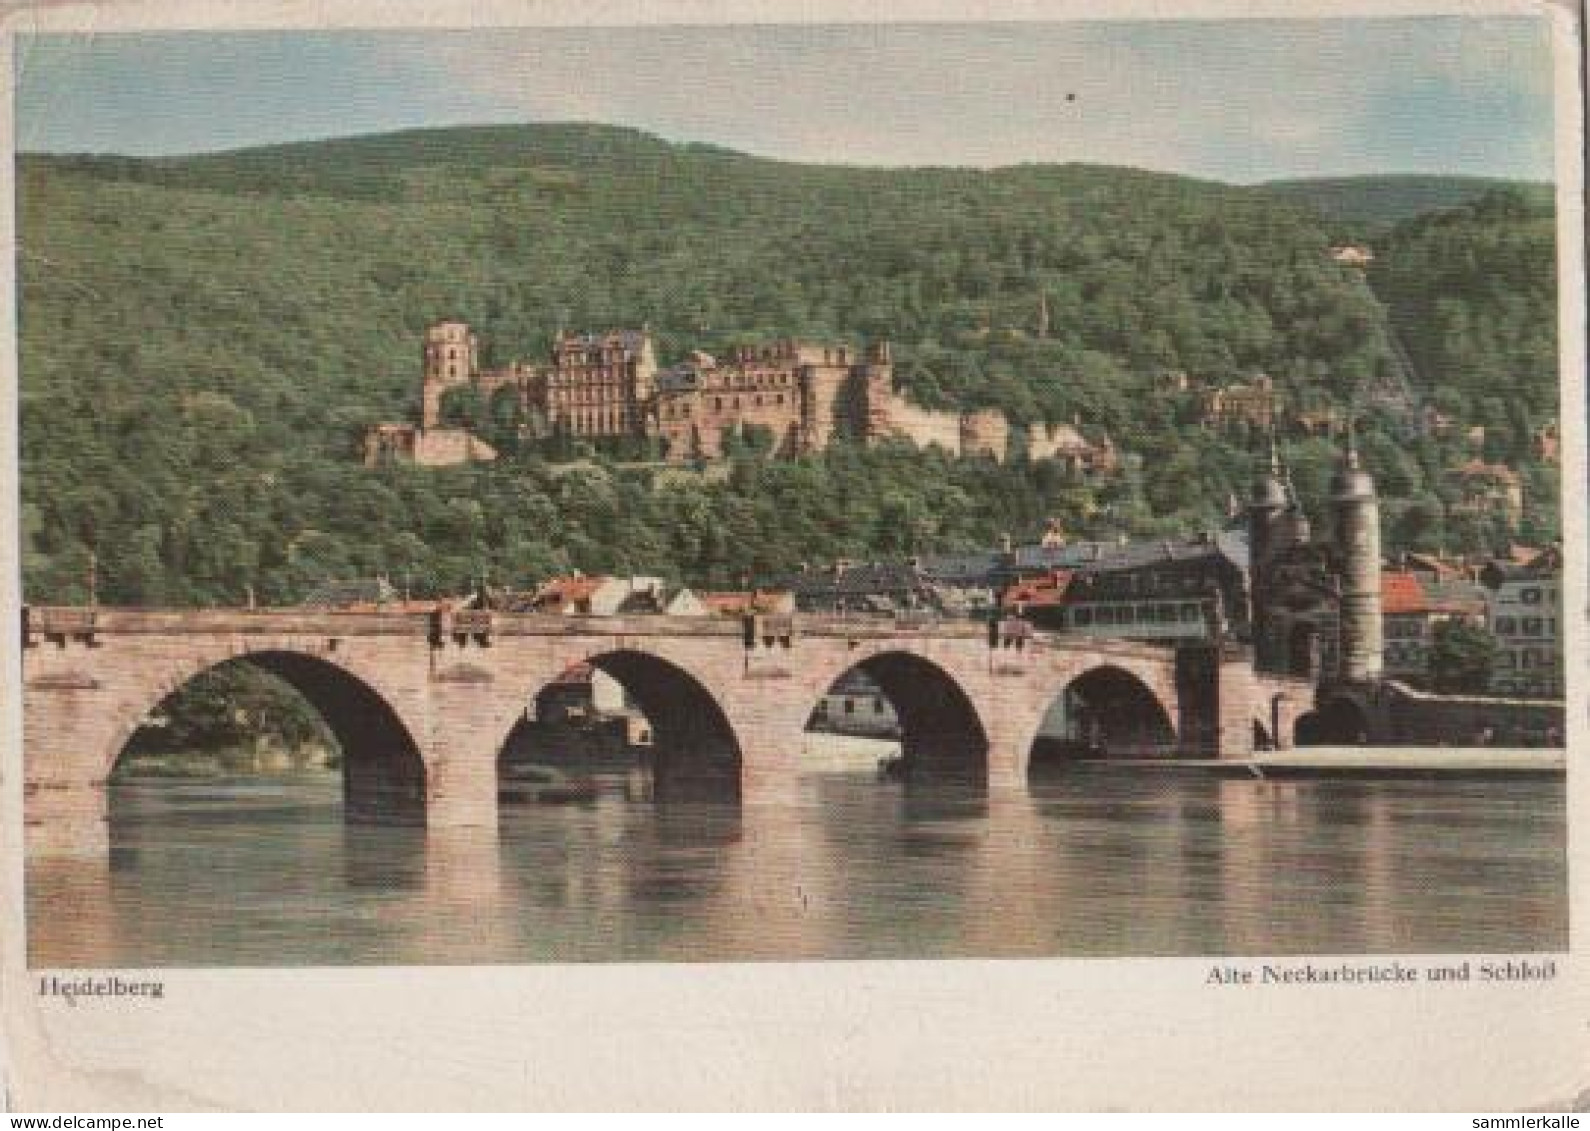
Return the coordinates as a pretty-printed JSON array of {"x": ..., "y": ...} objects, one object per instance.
[{"x": 1233, "y": 99}]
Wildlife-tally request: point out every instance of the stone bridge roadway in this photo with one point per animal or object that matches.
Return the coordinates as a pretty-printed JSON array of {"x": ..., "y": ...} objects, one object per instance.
[{"x": 423, "y": 703}]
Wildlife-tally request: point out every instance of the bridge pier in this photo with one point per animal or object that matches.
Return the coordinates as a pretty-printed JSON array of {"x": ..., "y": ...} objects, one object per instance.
[
  {"x": 1008, "y": 754},
  {"x": 771, "y": 742},
  {"x": 66, "y": 819},
  {"x": 461, "y": 792}
]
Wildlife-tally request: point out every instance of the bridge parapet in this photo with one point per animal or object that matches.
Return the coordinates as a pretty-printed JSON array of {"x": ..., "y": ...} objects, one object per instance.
[
  {"x": 69, "y": 624},
  {"x": 48, "y": 620},
  {"x": 463, "y": 625}
]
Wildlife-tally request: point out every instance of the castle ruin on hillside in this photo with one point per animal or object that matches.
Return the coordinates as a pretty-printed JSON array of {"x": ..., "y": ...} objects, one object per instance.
[{"x": 610, "y": 386}]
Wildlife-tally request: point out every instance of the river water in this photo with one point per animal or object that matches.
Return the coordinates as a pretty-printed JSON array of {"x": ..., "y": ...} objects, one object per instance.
[{"x": 1115, "y": 862}]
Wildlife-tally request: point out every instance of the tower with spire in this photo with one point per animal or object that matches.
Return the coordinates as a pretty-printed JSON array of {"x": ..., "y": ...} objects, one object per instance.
[
  {"x": 1357, "y": 517},
  {"x": 1266, "y": 508}
]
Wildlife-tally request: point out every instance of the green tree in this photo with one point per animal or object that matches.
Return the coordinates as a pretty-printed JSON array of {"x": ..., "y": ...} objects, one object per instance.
[{"x": 1461, "y": 658}]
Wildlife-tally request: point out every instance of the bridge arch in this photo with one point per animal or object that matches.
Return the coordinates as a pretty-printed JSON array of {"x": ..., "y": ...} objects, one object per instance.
[
  {"x": 383, "y": 768},
  {"x": 1340, "y": 720},
  {"x": 1105, "y": 710},
  {"x": 685, "y": 737},
  {"x": 940, "y": 731}
]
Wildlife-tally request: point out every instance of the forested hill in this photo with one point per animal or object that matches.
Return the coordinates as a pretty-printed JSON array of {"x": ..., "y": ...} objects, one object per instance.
[
  {"x": 204, "y": 339},
  {"x": 521, "y": 229},
  {"x": 1380, "y": 201},
  {"x": 1470, "y": 298}
]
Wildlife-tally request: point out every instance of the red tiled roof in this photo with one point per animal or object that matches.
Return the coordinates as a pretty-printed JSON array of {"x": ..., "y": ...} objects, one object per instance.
[
  {"x": 1401, "y": 592},
  {"x": 1041, "y": 592},
  {"x": 726, "y": 602},
  {"x": 732, "y": 603}
]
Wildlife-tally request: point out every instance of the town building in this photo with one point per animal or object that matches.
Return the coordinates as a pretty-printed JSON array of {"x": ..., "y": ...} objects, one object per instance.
[
  {"x": 1489, "y": 489},
  {"x": 891, "y": 588},
  {"x": 1525, "y": 615},
  {"x": 748, "y": 602},
  {"x": 855, "y": 705},
  {"x": 1353, "y": 255},
  {"x": 1413, "y": 608},
  {"x": 1153, "y": 590},
  {"x": 1254, "y": 403},
  {"x": 607, "y": 597},
  {"x": 1548, "y": 444}
]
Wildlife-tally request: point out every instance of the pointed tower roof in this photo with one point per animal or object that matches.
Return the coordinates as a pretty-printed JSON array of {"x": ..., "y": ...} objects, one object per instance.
[
  {"x": 1268, "y": 491},
  {"x": 1351, "y": 481}
]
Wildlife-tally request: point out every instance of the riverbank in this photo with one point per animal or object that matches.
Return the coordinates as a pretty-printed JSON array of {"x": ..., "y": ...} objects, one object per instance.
[{"x": 228, "y": 761}]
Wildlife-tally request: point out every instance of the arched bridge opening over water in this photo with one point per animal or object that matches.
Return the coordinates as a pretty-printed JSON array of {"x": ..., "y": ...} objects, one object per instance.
[{"x": 422, "y": 704}]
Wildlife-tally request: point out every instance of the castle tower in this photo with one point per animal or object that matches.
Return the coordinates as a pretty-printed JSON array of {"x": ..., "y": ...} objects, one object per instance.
[
  {"x": 874, "y": 392},
  {"x": 1266, "y": 503},
  {"x": 450, "y": 358},
  {"x": 1294, "y": 525},
  {"x": 834, "y": 392},
  {"x": 643, "y": 378},
  {"x": 1357, "y": 514}
]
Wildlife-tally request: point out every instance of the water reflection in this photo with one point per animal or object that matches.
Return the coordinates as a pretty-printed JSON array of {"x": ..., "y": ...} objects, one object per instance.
[{"x": 1086, "y": 862}]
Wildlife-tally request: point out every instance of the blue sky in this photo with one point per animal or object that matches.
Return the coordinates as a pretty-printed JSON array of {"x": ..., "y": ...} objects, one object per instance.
[{"x": 1232, "y": 100}]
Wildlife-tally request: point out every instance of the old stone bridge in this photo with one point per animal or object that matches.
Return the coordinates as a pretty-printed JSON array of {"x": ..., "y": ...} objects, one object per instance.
[{"x": 423, "y": 703}]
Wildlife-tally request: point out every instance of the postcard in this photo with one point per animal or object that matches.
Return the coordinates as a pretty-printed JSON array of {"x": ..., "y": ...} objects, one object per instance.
[{"x": 794, "y": 556}]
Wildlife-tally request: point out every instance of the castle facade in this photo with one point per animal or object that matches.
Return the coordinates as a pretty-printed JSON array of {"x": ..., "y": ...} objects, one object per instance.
[{"x": 803, "y": 395}]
